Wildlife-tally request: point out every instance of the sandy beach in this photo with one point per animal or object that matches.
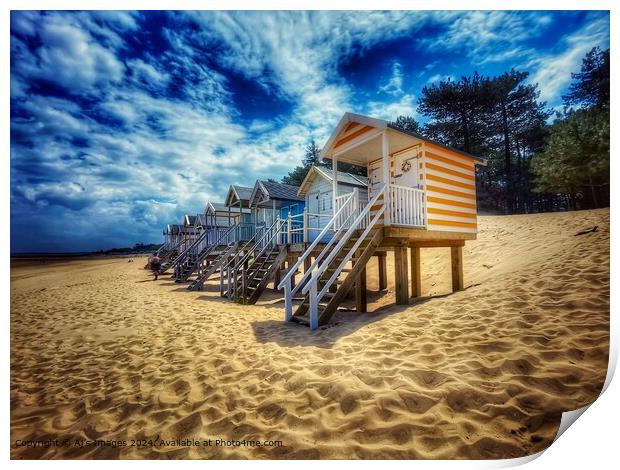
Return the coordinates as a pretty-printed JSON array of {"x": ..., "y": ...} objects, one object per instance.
[{"x": 100, "y": 351}]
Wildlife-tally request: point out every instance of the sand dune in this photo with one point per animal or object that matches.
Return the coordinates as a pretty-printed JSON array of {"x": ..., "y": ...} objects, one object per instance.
[{"x": 98, "y": 351}]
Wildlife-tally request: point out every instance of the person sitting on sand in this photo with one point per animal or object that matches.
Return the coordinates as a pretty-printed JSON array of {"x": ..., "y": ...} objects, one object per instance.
[{"x": 155, "y": 265}]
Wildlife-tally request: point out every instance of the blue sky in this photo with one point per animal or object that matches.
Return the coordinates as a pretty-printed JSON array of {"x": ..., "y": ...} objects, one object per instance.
[{"x": 122, "y": 122}]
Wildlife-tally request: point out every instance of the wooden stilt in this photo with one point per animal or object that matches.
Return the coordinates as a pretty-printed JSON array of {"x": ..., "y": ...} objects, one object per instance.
[
  {"x": 456, "y": 256},
  {"x": 382, "y": 260},
  {"x": 401, "y": 275},
  {"x": 278, "y": 276},
  {"x": 307, "y": 263},
  {"x": 290, "y": 264},
  {"x": 361, "y": 297},
  {"x": 416, "y": 272}
]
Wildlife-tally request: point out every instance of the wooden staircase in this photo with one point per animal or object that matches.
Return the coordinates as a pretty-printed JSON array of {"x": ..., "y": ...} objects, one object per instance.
[
  {"x": 220, "y": 260},
  {"x": 249, "y": 270},
  {"x": 331, "y": 300},
  {"x": 211, "y": 241},
  {"x": 168, "y": 258},
  {"x": 357, "y": 233},
  {"x": 250, "y": 282}
]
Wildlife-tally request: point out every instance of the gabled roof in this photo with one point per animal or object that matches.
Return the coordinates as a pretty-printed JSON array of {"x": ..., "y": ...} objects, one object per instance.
[
  {"x": 201, "y": 220},
  {"x": 281, "y": 191},
  {"x": 190, "y": 220},
  {"x": 221, "y": 209},
  {"x": 238, "y": 193},
  {"x": 380, "y": 125},
  {"x": 317, "y": 171}
]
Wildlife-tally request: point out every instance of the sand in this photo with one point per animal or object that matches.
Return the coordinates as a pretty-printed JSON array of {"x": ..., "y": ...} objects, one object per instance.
[{"x": 99, "y": 351}]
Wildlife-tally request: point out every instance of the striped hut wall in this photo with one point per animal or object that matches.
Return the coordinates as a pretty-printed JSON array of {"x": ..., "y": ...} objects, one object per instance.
[{"x": 449, "y": 179}]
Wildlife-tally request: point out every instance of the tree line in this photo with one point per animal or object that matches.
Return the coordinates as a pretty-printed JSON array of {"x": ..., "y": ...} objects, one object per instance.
[{"x": 533, "y": 164}]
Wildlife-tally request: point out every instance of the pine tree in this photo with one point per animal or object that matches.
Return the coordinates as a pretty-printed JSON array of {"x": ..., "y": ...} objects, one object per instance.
[
  {"x": 575, "y": 160},
  {"x": 408, "y": 123},
  {"x": 591, "y": 89}
]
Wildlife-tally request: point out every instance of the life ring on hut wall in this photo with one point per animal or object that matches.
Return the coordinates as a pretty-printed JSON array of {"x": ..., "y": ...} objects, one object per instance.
[{"x": 406, "y": 166}]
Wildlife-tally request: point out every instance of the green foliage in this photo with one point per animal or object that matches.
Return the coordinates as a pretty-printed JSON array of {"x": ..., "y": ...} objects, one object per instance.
[
  {"x": 296, "y": 176},
  {"x": 575, "y": 160},
  {"x": 311, "y": 157},
  {"x": 457, "y": 111},
  {"x": 591, "y": 88},
  {"x": 408, "y": 123},
  {"x": 498, "y": 118}
]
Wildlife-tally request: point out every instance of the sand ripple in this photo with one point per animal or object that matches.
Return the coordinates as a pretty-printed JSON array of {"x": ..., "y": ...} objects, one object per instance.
[{"x": 96, "y": 353}]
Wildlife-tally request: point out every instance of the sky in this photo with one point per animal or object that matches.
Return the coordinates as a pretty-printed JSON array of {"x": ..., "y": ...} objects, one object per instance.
[{"x": 122, "y": 122}]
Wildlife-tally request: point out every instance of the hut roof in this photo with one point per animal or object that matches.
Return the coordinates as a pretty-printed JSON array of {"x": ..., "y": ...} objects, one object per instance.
[
  {"x": 381, "y": 125},
  {"x": 238, "y": 193},
  {"x": 281, "y": 191},
  {"x": 190, "y": 220},
  {"x": 324, "y": 172}
]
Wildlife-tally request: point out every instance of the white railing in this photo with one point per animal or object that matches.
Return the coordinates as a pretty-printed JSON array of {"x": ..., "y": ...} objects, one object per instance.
[
  {"x": 360, "y": 222},
  {"x": 301, "y": 226},
  {"x": 406, "y": 206},
  {"x": 207, "y": 241},
  {"x": 261, "y": 242},
  {"x": 287, "y": 280},
  {"x": 356, "y": 206}
]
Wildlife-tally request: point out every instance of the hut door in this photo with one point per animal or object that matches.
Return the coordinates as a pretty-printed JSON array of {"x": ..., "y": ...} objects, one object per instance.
[
  {"x": 375, "y": 177},
  {"x": 406, "y": 169}
]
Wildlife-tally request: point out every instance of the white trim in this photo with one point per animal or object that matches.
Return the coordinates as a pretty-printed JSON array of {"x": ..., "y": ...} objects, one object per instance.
[
  {"x": 346, "y": 119},
  {"x": 357, "y": 142},
  {"x": 386, "y": 176}
]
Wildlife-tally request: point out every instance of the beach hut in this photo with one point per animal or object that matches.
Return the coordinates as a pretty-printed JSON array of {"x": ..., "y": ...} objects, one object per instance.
[
  {"x": 270, "y": 200},
  {"x": 238, "y": 205},
  {"x": 262, "y": 251},
  {"x": 189, "y": 231},
  {"x": 216, "y": 229},
  {"x": 421, "y": 194},
  {"x": 317, "y": 190}
]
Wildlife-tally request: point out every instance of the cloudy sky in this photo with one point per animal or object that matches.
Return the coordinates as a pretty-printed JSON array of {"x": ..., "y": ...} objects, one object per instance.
[{"x": 122, "y": 122}]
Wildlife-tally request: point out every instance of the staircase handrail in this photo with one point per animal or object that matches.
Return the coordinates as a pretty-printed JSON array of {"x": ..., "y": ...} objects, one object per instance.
[
  {"x": 217, "y": 243},
  {"x": 188, "y": 250},
  {"x": 354, "y": 226},
  {"x": 265, "y": 234},
  {"x": 313, "y": 245}
]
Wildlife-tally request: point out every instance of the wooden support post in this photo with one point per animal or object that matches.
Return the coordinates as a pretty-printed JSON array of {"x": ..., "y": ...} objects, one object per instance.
[
  {"x": 416, "y": 272},
  {"x": 456, "y": 256},
  {"x": 382, "y": 260},
  {"x": 400, "y": 275},
  {"x": 289, "y": 264},
  {"x": 361, "y": 298},
  {"x": 307, "y": 263},
  {"x": 276, "y": 278}
]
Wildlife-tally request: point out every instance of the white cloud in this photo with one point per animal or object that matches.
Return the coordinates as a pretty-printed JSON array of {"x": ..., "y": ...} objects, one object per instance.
[
  {"x": 394, "y": 85},
  {"x": 406, "y": 106},
  {"x": 67, "y": 56},
  {"x": 172, "y": 151},
  {"x": 481, "y": 33},
  {"x": 553, "y": 71},
  {"x": 439, "y": 78},
  {"x": 146, "y": 73}
]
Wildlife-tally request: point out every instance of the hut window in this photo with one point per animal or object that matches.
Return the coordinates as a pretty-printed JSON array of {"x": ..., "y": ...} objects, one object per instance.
[{"x": 325, "y": 201}]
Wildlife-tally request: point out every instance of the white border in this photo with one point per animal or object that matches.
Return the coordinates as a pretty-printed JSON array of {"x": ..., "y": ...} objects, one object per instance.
[{"x": 590, "y": 444}]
